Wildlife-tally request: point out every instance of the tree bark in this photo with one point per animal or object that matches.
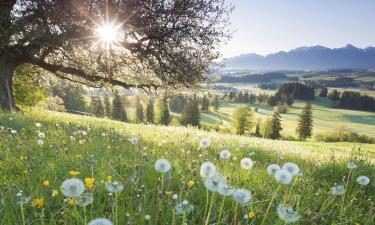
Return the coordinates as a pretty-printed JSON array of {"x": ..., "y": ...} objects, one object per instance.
[{"x": 6, "y": 88}]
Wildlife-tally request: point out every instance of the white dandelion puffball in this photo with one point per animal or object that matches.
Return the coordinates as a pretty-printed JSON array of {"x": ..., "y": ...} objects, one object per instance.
[
  {"x": 114, "y": 187},
  {"x": 85, "y": 199},
  {"x": 242, "y": 196},
  {"x": 338, "y": 190},
  {"x": 225, "y": 154},
  {"x": 100, "y": 221},
  {"x": 40, "y": 142},
  {"x": 41, "y": 135},
  {"x": 351, "y": 165},
  {"x": 82, "y": 142},
  {"x": 283, "y": 177},
  {"x": 208, "y": 169},
  {"x": 38, "y": 124},
  {"x": 291, "y": 168},
  {"x": 204, "y": 143},
  {"x": 147, "y": 217},
  {"x": 247, "y": 163},
  {"x": 363, "y": 180},
  {"x": 287, "y": 214},
  {"x": 134, "y": 140},
  {"x": 13, "y": 132},
  {"x": 184, "y": 208},
  {"x": 212, "y": 183},
  {"x": 272, "y": 169},
  {"x": 72, "y": 187},
  {"x": 224, "y": 189},
  {"x": 162, "y": 165}
]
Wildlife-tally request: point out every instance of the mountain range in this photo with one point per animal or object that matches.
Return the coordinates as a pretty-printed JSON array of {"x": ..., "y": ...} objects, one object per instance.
[{"x": 307, "y": 58}]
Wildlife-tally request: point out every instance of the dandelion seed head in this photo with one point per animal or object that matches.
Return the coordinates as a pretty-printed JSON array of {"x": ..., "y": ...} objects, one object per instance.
[
  {"x": 351, "y": 165},
  {"x": 247, "y": 163},
  {"x": 72, "y": 187},
  {"x": 272, "y": 169},
  {"x": 291, "y": 168},
  {"x": 204, "y": 142},
  {"x": 242, "y": 196},
  {"x": 207, "y": 170},
  {"x": 287, "y": 214},
  {"x": 225, "y": 154},
  {"x": 212, "y": 182},
  {"x": 363, "y": 180},
  {"x": 114, "y": 186},
  {"x": 338, "y": 190},
  {"x": 283, "y": 177},
  {"x": 100, "y": 221},
  {"x": 162, "y": 165}
]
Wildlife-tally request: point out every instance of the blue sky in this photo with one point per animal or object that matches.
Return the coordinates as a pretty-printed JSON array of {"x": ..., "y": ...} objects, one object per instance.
[{"x": 267, "y": 26}]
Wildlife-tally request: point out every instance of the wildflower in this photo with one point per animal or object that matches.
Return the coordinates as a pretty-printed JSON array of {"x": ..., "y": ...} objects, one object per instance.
[
  {"x": 241, "y": 196},
  {"x": 162, "y": 165},
  {"x": 37, "y": 203},
  {"x": 115, "y": 186},
  {"x": 23, "y": 200},
  {"x": 363, "y": 180},
  {"x": 207, "y": 170},
  {"x": 247, "y": 163},
  {"x": 283, "y": 177},
  {"x": 38, "y": 124},
  {"x": 89, "y": 183},
  {"x": 40, "y": 142},
  {"x": 184, "y": 208},
  {"x": 174, "y": 197},
  {"x": 351, "y": 165},
  {"x": 72, "y": 187},
  {"x": 72, "y": 138},
  {"x": 109, "y": 179},
  {"x": 168, "y": 193},
  {"x": 224, "y": 189},
  {"x": 74, "y": 173},
  {"x": 204, "y": 143},
  {"x": 85, "y": 199},
  {"x": 25, "y": 172},
  {"x": 225, "y": 154},
  {"x": 100, "y": 221},
  {"x": 55, "y": 193},
  {"x": 46, "y": 183},
  {"x": 338, "y": 190},
  {"x": 41, "y": 135},
  {"x": 13, "y": 132},
  {"x": 147, "y": 217},
  {"x": 287, "y": 214},
  {"x": 272, "y": 169},
  {"x": 291, "y": 168},
  {"x": 82, "y": 142},
  {"x": 190, "y": 183},
  {"x": 71, "y": 201},
  {"x": 251, "y": 215},
  {"x": 134, "y": 140},
  {"x": 212, "y": 183}
]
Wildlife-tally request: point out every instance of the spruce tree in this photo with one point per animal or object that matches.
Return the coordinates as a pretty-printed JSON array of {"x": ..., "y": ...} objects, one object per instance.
[
  {"x": 118, "y": 110},
  {"x": 242, "y": 120},
  {"x": 190, "y": 113},
  {"x": 275, "y": 126},
  {"x": 150, "y": 111},
  {"x": 215, "y": 103},
  {"x": 305, "y": 123},
  {"x": 107, "y": 106},
  {"x": 162, "y": 115},
  {"x": 139, "y": 112},
  {"x": 97, "y": 106},
  {"x": 205, "y": 104}
]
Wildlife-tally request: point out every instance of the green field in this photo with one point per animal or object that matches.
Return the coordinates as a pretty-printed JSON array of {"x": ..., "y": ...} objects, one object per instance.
[{"x": 26, "y": 165}]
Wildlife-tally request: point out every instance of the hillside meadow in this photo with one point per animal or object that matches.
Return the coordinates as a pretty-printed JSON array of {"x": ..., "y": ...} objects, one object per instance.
[{"x": 112, "y": 166}]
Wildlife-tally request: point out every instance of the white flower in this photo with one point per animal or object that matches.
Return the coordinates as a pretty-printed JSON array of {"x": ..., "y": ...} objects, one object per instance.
[
  {"x": 82, "y": 142},
  {"x": 40, "y": 142},
  {"x": 85, "y": 199},
  {"x": 208, "y": 169},
  {"x": 38, "y": 124},
  {"x": 212, "y": 183},
  {"x": 115, "y": 186},
  {"x": 103, "y": 134},
  {"x": 184, "y": 208},
  {"x": 242, "y": 196},
  {"x": 287, "y": 214},
  {"x": 162, "y": 165},
  {"x": 272, "y": 169},
  {"x": 338, "y": 190},
  {"x": 204, "y": 143},
  {"x": 134, "y": 140},
  {"x": 247, "y": 163},
  {"x": 283, "y": 177},
  {"x": 225, "y": 154},
  {"x": 41, "y": 135},
  {"x": 224, "y": 189},
  {"x": 23, "y": 200},
  {"x": 351, "y": 165},
  {"x": 72, "y": 138},
  {"x": 72, "y": 187},
  {"x": 174, "y": 197},
  {"x": 291, "y": 168},
  {"x": 147, "y": 217},
  {"x": 13, "y": 132},
  {"x": 363, "y": 180},
  {"x": 100, "y": 221}
]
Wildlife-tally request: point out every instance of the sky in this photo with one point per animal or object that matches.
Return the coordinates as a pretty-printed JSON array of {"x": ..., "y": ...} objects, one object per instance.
[{"x": 268, "y": 26}]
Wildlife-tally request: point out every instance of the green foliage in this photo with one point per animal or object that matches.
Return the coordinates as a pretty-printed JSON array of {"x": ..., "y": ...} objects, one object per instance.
[
  {"x": 174, "y": 122},
  {"x": 150, "y": 111},
  {"x": 242, "y": 120},
  {"x": 215, "y": 103},
  {"x": 275, "y": 124},
  {"x": 52, "y": 103},
  {"x": 162, "y": 115},
  {"x": 139, "y": 112},
  {"x": 177, "y": 103},
  {"x": 344, "y": 135},
  {"x": 305, "y": 123},
  {"x": 118, "y": 109},
  {"x": 281, "y": 108},
  {"x": 72, "y": 95},
  {"x": 334, "y": 95},
  {"x": 323, "y": 92},
  {"x": 190, "y": 114},
  {"x": 205, "y": 104},
  {"x": 97, "y": 106},
  {"x": 107, "y": 106}
]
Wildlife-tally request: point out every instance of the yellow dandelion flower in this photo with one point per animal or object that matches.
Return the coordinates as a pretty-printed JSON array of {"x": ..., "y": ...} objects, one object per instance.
[
  {"x": 251, "y": 215},
  {"x": 190, "y": 183},
  {"x": 21, "y": 158},
  {"x": 109, "y": 179},
  {"x": 89, "y": 182},
  {"x": 72, "y": 201},
  {"x": 74, "y": 173},
  {"x": 37, "y": 203},
  {"x": 55, "y": 193},
  {"x": 168, "y": 193},
  {"x": 46, "y": 183},
  {"x": 25, "y": 172}
]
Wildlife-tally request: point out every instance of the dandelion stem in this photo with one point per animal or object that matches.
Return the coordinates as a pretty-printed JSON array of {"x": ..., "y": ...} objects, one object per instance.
[
  {"x": 116, "y": 209},
  {"x": 270, "y": 204},
  {"x": 206, "y": 207},
  {"x": 221, "y": 210},
  {"x": 234, "y": 219},
  {"x": 84, "y": 214},
  {"x": 344, "y": 196},
  {"x": 209, "y": 210},
  {"x": 22, "y": 215}
]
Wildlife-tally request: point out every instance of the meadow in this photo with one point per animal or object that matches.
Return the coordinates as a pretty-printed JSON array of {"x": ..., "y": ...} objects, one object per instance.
[{"x": 58, "y": 168}]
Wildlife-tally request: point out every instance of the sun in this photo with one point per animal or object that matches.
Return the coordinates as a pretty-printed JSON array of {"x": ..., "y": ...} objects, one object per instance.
[{"x": 109, "y": 33}]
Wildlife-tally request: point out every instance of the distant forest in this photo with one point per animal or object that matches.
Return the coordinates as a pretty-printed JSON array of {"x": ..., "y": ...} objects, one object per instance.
[{"x": 253, "y": 78}]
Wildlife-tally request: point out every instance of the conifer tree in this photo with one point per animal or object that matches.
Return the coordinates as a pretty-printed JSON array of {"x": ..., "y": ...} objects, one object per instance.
[
  {"x": 275, "y": 126},
  {"x": 305, "y": 123},
  {"x": 205, "y": 104},
  {"x": 162, "y": 115},
  {"x": 118, "y": 111},
  {"x": 97, "y": 106},
  {"x": 150, "y": 111},
  {"x": 190, "y": 113},
  {"x": 107, "y": 107},
  {"x": 139, "y": 112},
  {"x": 215, "y": 103}
]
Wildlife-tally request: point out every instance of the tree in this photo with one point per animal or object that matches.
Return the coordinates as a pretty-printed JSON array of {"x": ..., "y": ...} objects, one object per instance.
[
  {"x": 162, "y": 115},
  {"x": 74, "y": 98},
  {"x": 205, "y": 104},
  {"x": 177, "y": 103},
  {"x": 150, "y": 111},
  {"x": 257, "y": 128},
  {"x": 190, "y": 114},
  {"x": 275, "y": 126},
  {"x": 215, "y": 103},
  {"x": 118, "y": 110},
  {"x": 323, "y": 92},
  {"x": 305, "y": 123},
  {"x": 178, "y": 45},
  {"x": 334, "y": 95},
  {"x": 107, "y": 106},
  {"x": 139, "y": 112},
  {"x": 242, "y": 120},
  {"x": 97, "y": 106}
]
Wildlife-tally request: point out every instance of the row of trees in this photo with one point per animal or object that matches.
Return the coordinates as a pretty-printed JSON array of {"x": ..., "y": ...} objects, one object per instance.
[{"x": 352, "y": 100}]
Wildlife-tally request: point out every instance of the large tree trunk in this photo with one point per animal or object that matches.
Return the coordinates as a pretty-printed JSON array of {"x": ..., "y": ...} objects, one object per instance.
[{"x": 6, "y": 91}]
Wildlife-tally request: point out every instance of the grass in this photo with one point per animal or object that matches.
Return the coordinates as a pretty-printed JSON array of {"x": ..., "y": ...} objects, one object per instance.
[{"x": 107, "y": 151}]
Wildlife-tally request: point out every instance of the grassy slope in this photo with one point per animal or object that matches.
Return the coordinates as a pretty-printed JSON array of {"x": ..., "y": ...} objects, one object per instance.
[{"x": 112, "y": 154}]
